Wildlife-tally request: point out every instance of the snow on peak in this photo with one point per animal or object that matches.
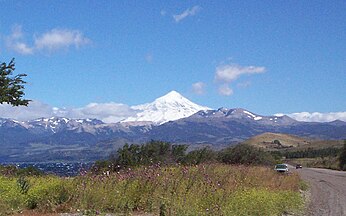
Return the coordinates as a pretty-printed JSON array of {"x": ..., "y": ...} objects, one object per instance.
[
  {"x": 169, "y": 107},
  {"x": 171, "y": 95}
]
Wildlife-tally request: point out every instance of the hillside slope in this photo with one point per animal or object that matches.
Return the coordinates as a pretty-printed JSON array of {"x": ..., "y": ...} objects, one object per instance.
[{"x": 279, "y": 141}]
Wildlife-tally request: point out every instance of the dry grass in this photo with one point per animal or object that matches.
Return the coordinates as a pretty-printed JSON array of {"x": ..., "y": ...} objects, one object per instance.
[
  {"x": 209, "y": 189},
  {"x": 290, "y": 142},
  {"x": 326, "y": 162}
]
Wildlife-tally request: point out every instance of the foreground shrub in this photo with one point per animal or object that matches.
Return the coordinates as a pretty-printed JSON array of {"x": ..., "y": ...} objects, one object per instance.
[
  {"x": 262, "y": 202},
  {"x": 207, "y": 189},
  {"x": 12, "y": 171},
  {"x": 11, "y": 198},
  {"x": 49, "y": 193},
  {"x": 210, "y": 189}
]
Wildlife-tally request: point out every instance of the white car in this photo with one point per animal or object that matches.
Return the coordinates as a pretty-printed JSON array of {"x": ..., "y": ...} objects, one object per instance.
[{"x": 281, "y": 168}]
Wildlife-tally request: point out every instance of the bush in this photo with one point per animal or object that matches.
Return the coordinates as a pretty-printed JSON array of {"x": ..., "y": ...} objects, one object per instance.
[
  {"x": 207, "y": 189},
  {"x": 48, "y": 193},
  {"x": 152, "y": 152},
  {"x": 29, "y": 171},
  {"x": 199, "y": 156},
  {"x": 9, "y": 170},
  {"x": 342, "y": 158},
  {"x": 158, "y": 152},
  {"x": 313, "y": 153},
  {"x": 246, "y": 154}
]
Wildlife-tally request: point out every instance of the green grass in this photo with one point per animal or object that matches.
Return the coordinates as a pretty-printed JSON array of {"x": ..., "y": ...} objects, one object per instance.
[
  {"x": 326, "y": 162},
  {"x": 210, "y": 189}
]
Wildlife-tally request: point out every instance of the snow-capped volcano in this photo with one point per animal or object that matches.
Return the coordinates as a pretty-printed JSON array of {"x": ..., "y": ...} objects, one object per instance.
[{"x": 169, "y": 107}]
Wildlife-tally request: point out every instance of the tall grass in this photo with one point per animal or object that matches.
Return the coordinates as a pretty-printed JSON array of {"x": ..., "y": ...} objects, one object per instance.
[
  {"x": 209, "y": 189},
  {"x": 326, "y": 162}
]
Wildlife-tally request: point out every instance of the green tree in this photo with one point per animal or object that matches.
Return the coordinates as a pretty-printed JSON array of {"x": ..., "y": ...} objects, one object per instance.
[
  {"x": 128, "y": 155},
  {"x": 149, "y": 153},
  {"x": 155, "y": 151},
  {"x": 245, "y": 154},
  {"x": 342, "y": 158},
  {"x": 199, "y": 156},
  {"x": 179, "y": 152},
  {"x": 11, "y": 87}
]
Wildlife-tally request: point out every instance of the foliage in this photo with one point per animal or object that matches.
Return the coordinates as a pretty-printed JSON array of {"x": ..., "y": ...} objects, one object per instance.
[
  {"x": 246, "y": 154},
  {"x": 23, "y": 185},
  {"x": 11, "y": 87},
  {"x": 29, "y": 171},
  {"x": 49, "y": 193},
  {"x": 342, "y": 158},
  {"x": 11, "y": 199},
  {"x": 149, "y": 153},
  {"x": 12, "y": 171},
  {"x": 199, "y": 156},
  {"x": 312, "y": 153},
  {"x": 206, "y": 189},
  {"x": 162, "y": 152},
  {"x": 326, "y": 162},
  {"x": 277, "y": 142},
  {"x": 9, "y": 170}
]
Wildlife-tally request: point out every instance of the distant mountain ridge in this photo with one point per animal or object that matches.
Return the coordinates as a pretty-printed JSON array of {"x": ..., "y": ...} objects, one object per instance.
[
  {"x": 169, "y": 107},
  {"x": 60, "y": 138}
]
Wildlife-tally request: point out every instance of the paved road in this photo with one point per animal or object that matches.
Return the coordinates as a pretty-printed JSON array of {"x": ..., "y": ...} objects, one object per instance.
[{"x": 328, "y": 191}]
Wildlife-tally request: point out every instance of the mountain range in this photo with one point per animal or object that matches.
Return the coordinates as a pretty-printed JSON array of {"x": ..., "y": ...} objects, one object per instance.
[
  {"x": 170, "y": 107},
  {"x": 170, "y": 118}
]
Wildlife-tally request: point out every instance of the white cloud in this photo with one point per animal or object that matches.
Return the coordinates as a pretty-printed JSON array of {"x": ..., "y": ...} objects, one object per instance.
[
  {"x": 188, "y": 12},
  {"x": 115, "y": 112},
  {"x": 229, "y": 73},
  {"x": 22, "y": 48},
  {"x": 17, "y": 32},
  {"x": 225, "y": 90},
  {"x": 198, "y": 88},
  {"x": 244, "y": 84},
  {"x": 16, "y": 42},
  {"x": 52, "y": 40},
  {"x": 57, "y": 39},
  {"x": 34, "y": 110},
  {"x": 226, "y": 74},
  {"x": 107, "y": 112},
  {"x": 318, "y": 117}
]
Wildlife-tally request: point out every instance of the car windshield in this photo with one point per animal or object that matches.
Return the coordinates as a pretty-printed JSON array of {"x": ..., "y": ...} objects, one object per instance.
[{"x": 281, "y": 166}]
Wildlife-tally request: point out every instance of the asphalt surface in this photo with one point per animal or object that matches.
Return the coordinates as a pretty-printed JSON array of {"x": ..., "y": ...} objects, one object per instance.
[{"x": 328, "y": 191}]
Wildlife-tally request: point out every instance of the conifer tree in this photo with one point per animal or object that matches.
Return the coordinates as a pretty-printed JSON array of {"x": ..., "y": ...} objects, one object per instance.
[{"x": 11, "y": 87}]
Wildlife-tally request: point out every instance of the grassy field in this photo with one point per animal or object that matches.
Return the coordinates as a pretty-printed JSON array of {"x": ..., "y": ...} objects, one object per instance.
[
  {"x": 327, "y": 162},
  {"x": 209, "y": 189},
  {"x": 290, "y": 142}
]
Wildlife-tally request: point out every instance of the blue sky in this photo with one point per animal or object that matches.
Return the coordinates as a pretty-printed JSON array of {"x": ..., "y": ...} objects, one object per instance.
[{"x": 265, "y": 56}]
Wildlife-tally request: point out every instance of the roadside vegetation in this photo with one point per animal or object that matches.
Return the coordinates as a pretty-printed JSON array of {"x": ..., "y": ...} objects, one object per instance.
[
  {"x": 162, "y": 152},
  {"x": 208, "y": 189},
  {"x": 160, "y": 179},
  {"x": 320, "y": 158},
  {"x": 342, "y": 158},
  {"x": 329, "y": 158}
]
